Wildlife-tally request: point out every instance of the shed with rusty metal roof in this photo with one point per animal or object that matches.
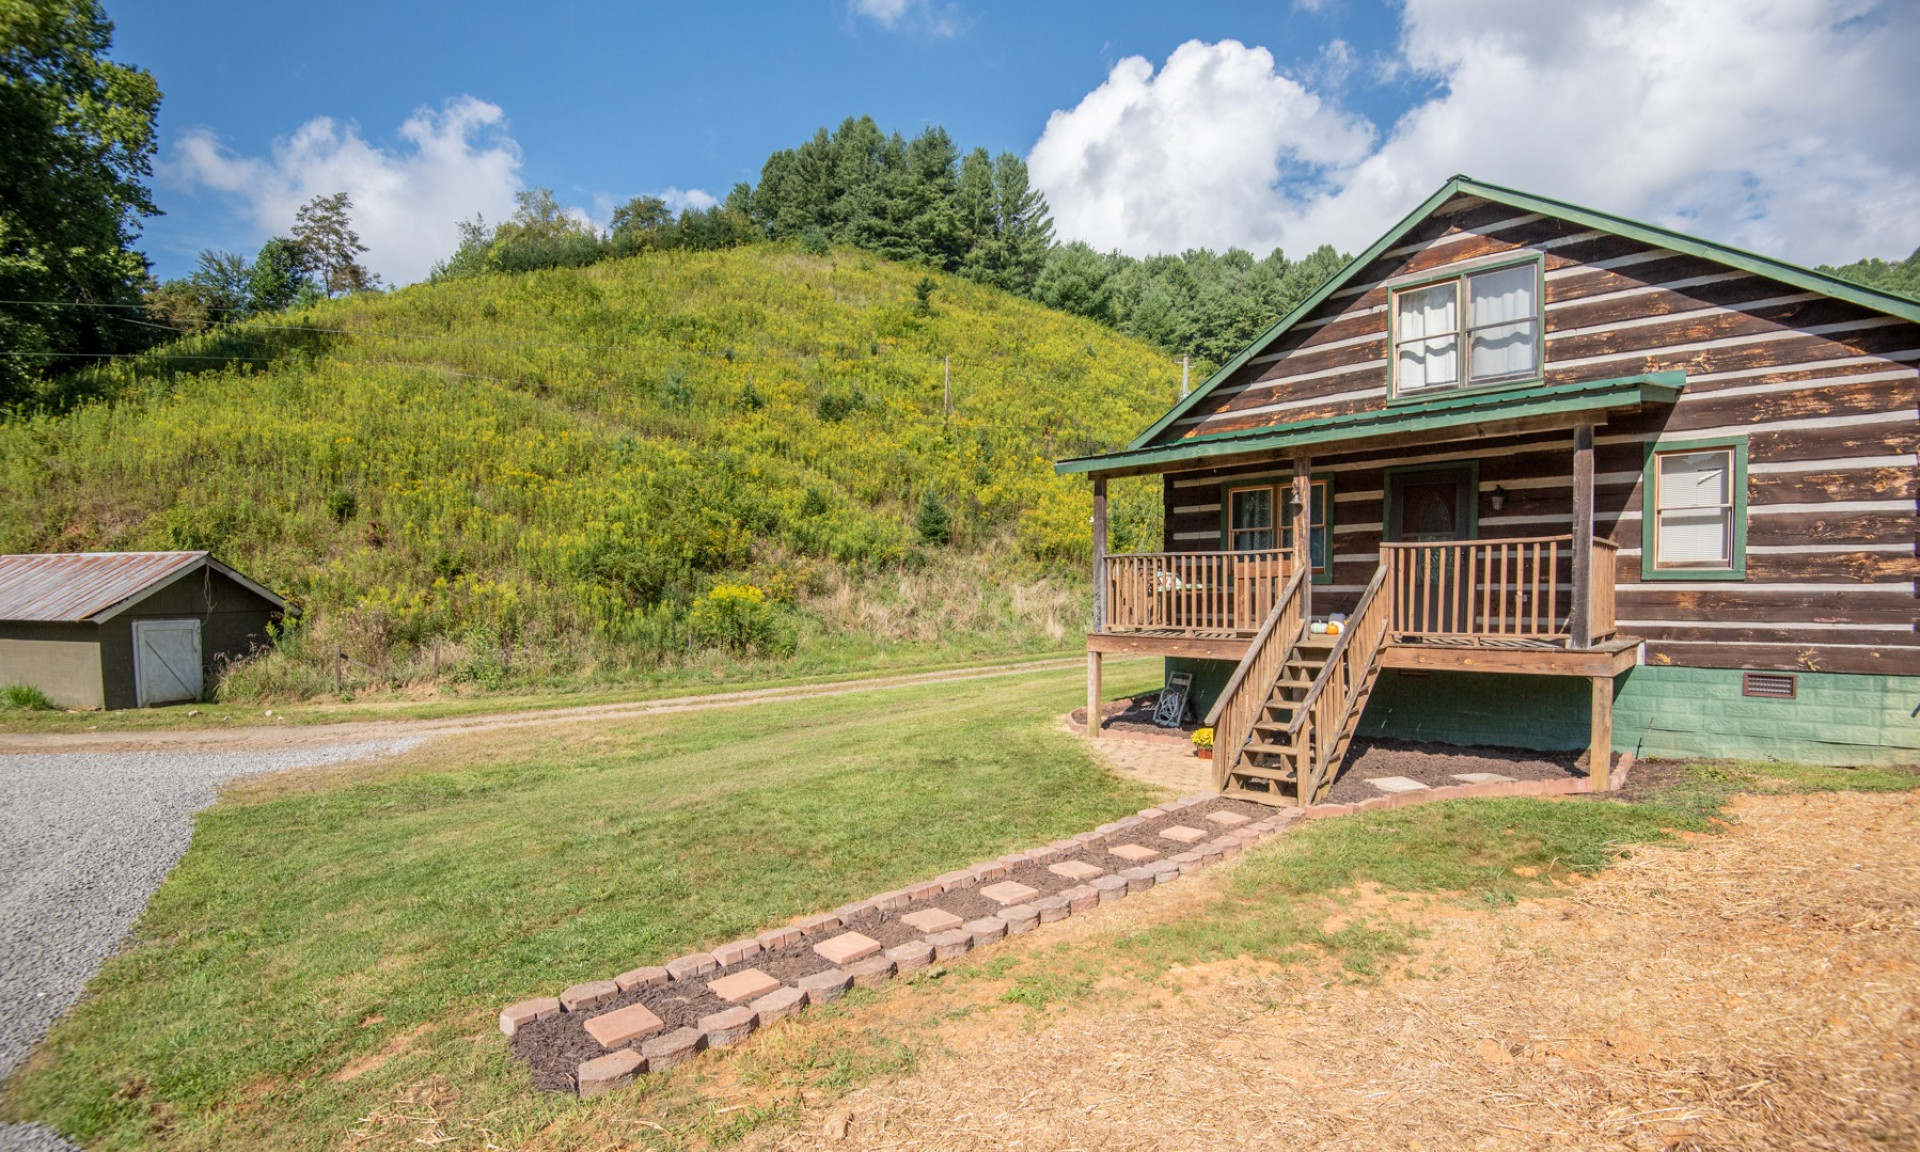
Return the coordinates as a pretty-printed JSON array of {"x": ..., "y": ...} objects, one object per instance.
[{"x": 127, "y": 629}]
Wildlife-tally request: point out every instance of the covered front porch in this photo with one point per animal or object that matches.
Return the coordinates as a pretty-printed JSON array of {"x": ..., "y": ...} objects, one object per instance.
[{"x": 1308, "y": 622}]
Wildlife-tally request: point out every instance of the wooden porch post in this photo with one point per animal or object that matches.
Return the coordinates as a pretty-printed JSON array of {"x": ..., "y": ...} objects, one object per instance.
[
  {"x": 1099, "y": 602},
  {"x": 1600, "y": 739},
  {"x": 1580, "y": 623},
  {"x": 1303, "y": 528}
]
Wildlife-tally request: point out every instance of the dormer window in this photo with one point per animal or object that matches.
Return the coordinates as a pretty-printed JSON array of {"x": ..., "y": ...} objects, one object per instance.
[{"x": 1499, "y": 341}]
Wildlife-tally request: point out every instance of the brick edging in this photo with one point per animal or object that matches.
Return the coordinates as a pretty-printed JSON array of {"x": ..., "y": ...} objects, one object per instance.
[{"x": 660, "y": 1050}]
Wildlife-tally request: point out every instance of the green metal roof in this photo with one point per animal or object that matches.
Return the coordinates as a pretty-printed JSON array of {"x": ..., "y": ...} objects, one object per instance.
[
  {"x": 1449, "y": 412},
  {"x": 1804, "y": 278}
]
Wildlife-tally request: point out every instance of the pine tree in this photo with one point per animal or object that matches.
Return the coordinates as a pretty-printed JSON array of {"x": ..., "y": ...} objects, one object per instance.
[{"x": 329, "y": 246}]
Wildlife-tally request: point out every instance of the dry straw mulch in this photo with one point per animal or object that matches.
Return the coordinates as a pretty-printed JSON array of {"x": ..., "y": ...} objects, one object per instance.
[{"x": 1757, "y": 989}]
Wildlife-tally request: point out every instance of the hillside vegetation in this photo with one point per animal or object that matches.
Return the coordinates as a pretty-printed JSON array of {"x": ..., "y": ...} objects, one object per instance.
[{"x": 678, "y": 460}]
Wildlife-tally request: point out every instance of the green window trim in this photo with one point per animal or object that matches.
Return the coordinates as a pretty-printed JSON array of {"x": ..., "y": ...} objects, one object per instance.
[
  {"x": 1649, "y": 507},
  {"x": 1282, "y": 488},
  {"x": 1463, "y": 332}
]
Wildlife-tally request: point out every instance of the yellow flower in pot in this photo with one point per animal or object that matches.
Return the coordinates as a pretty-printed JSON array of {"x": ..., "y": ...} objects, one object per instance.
[{"x": 1203, "y": 743}]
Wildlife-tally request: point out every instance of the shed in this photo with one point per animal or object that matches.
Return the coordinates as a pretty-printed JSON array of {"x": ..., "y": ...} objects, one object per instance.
[{"x": 126, "y": 629}]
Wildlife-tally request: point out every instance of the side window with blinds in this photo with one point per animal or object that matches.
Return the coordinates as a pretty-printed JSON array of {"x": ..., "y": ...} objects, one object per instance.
[{"x": 1694, "y": 519}]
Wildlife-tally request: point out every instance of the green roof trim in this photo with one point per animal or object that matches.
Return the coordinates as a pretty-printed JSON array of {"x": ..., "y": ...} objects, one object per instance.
[
  {"x": 1804, "y": 278},
  {"x": 1441, "y": 414}
]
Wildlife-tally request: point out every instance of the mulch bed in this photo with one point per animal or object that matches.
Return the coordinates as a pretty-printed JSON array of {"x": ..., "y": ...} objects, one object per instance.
[
  {"x": 1134, "y": 717},
  {"x": 1435, "y": 765},
  {"x": 556, "y": 1047}
]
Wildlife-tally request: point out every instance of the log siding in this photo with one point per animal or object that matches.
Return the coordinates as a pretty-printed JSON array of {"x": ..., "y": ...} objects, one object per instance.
[{"x": 1823, "y": 392}]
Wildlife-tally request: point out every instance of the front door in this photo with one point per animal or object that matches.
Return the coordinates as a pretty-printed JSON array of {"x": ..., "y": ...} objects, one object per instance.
[
  {"x": 166, "y": 661},
  {"x": 1431, "y": 506}
]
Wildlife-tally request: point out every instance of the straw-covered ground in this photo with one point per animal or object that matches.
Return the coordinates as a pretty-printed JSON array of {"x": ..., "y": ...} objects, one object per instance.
[{"x": 1754, "y": 988}]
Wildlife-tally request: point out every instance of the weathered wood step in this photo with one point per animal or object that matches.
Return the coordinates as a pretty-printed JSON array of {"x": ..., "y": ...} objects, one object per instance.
[
  {"x": 1264, "y": 749},
  {"x": 1256, "y": 772}
]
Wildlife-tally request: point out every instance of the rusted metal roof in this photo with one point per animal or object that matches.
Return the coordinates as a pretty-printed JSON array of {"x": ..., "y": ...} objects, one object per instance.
[{"x": 73, "y": 587}]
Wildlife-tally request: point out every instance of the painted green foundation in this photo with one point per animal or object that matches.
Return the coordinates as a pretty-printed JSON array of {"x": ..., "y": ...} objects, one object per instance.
[{"x": 1658, "y": 711}]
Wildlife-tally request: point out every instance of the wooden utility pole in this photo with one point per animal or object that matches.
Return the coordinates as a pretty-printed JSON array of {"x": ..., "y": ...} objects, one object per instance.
[{"x": 1183, "y": 377}]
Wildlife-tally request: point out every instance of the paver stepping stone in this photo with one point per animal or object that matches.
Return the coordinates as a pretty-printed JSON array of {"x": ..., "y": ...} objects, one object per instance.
[
  {"x": 1482, "y": 778},
  {"x": 846, "y": 948},
  {"x": 582, "y": 997},
  {"x": 1134, "y": 852},
  {"x": 931, "y": 920},
  {"x": 743, "y": 986},
  {"x": 604, "y": 1074},
  {"x": 1397, "y": 784},
  {"x": 671, "y": 1050},
  {"x": 624, "y": 1025},
  {"x": 1181, "y": 834},
  {"x": 1228, "y": 819},
  {"x": 1078, "y": 870},
  {"x": 1009, "y": 892}
]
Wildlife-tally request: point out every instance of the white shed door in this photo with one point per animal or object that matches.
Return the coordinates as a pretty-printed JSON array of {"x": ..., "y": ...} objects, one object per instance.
[{"x": 166, "y": 661}]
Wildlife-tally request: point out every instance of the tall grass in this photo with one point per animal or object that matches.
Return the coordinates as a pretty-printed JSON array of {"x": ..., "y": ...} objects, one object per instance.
[{"x": 531, "y": 479}]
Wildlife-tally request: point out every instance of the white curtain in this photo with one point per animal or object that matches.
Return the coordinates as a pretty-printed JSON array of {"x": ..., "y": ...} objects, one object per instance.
[
  {"x": 1428, "y": 330},
  {"x": 1695, "y": 516},
  {"x": 1251, "y": 518},
  {"x": 1503, "y": 315}
]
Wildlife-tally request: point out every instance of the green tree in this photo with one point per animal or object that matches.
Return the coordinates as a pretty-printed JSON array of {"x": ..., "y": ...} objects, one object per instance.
[
  {"x": 221, "y": 278},
  {"x": 76, "y": 144},
  {"x": 275, "y": 281},
  {"x": 1897, "y": 276},
  {"x": 641, "y": 224},
  {"x": 933, "y": 522},
  {"x": 329, "y": 246}
]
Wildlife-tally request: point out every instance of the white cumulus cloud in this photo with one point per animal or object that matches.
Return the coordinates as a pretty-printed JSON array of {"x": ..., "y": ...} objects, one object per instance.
[
  {"x": 1779, "y": 125},
  {"x": 1200, "y": 155},
  {"x": 923, "y": 16},
  {"x": 450, "y": 164}
]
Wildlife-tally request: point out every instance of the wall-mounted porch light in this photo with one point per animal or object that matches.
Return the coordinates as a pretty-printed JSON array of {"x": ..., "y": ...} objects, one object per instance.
[{"x": 1498, "y": 498}]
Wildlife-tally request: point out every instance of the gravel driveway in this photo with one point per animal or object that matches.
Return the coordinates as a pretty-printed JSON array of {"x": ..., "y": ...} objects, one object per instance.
[{"x": 85, "y": 839}]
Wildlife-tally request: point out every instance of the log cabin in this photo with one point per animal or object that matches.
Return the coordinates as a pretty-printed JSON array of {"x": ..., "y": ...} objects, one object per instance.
[{"x": 1572, "y": 480}]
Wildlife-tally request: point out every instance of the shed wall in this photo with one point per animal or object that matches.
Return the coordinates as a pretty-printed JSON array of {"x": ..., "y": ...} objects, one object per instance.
[{"x": 62, "y": 660}]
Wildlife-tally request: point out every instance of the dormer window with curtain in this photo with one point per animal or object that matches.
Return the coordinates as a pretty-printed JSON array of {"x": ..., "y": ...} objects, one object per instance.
[{"x": 1468, "y": 331}]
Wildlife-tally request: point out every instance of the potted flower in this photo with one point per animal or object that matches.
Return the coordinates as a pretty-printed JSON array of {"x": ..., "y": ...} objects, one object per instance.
[{"x": 1203, "y": 743}]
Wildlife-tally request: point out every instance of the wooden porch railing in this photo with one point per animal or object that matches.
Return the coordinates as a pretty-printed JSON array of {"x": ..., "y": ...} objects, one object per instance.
[
  {"x": 1233, "y": 713},
  {"x": 1601, "y": 619},
  {"x": 1496, "y": 589},
  {"x": 1194, "y": 591},
  {"x": 1325, "y": 717}
]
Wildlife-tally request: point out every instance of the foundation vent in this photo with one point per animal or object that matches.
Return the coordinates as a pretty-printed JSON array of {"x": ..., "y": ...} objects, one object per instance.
[{"x": 1770, "y": 685}]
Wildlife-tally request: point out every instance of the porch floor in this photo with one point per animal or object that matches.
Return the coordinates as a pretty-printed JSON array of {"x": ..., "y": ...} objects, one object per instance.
[{"x": 1511, "y": 654}]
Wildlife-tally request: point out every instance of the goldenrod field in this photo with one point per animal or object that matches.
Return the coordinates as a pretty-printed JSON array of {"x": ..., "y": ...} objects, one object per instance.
[{"x": 544, "y": 478}]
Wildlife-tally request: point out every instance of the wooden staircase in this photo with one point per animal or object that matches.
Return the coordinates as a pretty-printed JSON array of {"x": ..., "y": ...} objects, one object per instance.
[{"x": 1311, "y": 692}]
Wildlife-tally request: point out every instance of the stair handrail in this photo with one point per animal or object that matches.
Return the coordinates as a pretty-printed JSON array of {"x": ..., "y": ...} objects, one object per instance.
[
  {"x": 1309, "y": 731},
  {"x": 1230, "y": 720}
]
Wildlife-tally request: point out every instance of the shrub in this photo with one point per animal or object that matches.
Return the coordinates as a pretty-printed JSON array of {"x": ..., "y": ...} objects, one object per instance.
[
  {"x": 24, "y": 698},
  {"x": 737, "y": 617},
  {"x": 933, "y": 521}
]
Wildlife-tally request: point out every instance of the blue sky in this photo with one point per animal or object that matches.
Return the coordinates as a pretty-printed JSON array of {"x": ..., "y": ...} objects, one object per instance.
[{"x": 1198, "y": 123}]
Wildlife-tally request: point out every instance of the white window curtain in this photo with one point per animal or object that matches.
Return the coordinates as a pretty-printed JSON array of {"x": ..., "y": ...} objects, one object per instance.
[
  {"x": 1250, "y": 519},
  {"x": 1427, "y": 327},
  {"x": 1503, "y": 318},
  {"x": 1695, "y": 513}
]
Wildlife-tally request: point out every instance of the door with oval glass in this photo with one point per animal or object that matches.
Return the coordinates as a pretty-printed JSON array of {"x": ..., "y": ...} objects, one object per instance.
[{"x": 1431, "y": 506}]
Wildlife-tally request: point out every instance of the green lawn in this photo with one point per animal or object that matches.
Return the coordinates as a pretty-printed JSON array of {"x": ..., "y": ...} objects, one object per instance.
[{"x": 309, "y": 927}]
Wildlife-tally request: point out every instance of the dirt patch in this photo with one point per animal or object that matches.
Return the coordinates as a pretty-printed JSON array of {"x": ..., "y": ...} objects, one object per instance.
[
  {"x": 556, "y": 1047},
  {"x": 1758, "y": 989},
  {"x": 1436, "y": 765},
  {"x": 1134, "y": 717}
]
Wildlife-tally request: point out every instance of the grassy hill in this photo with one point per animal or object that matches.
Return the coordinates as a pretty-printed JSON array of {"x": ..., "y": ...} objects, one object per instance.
[{"x": 707, "y": 462}]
